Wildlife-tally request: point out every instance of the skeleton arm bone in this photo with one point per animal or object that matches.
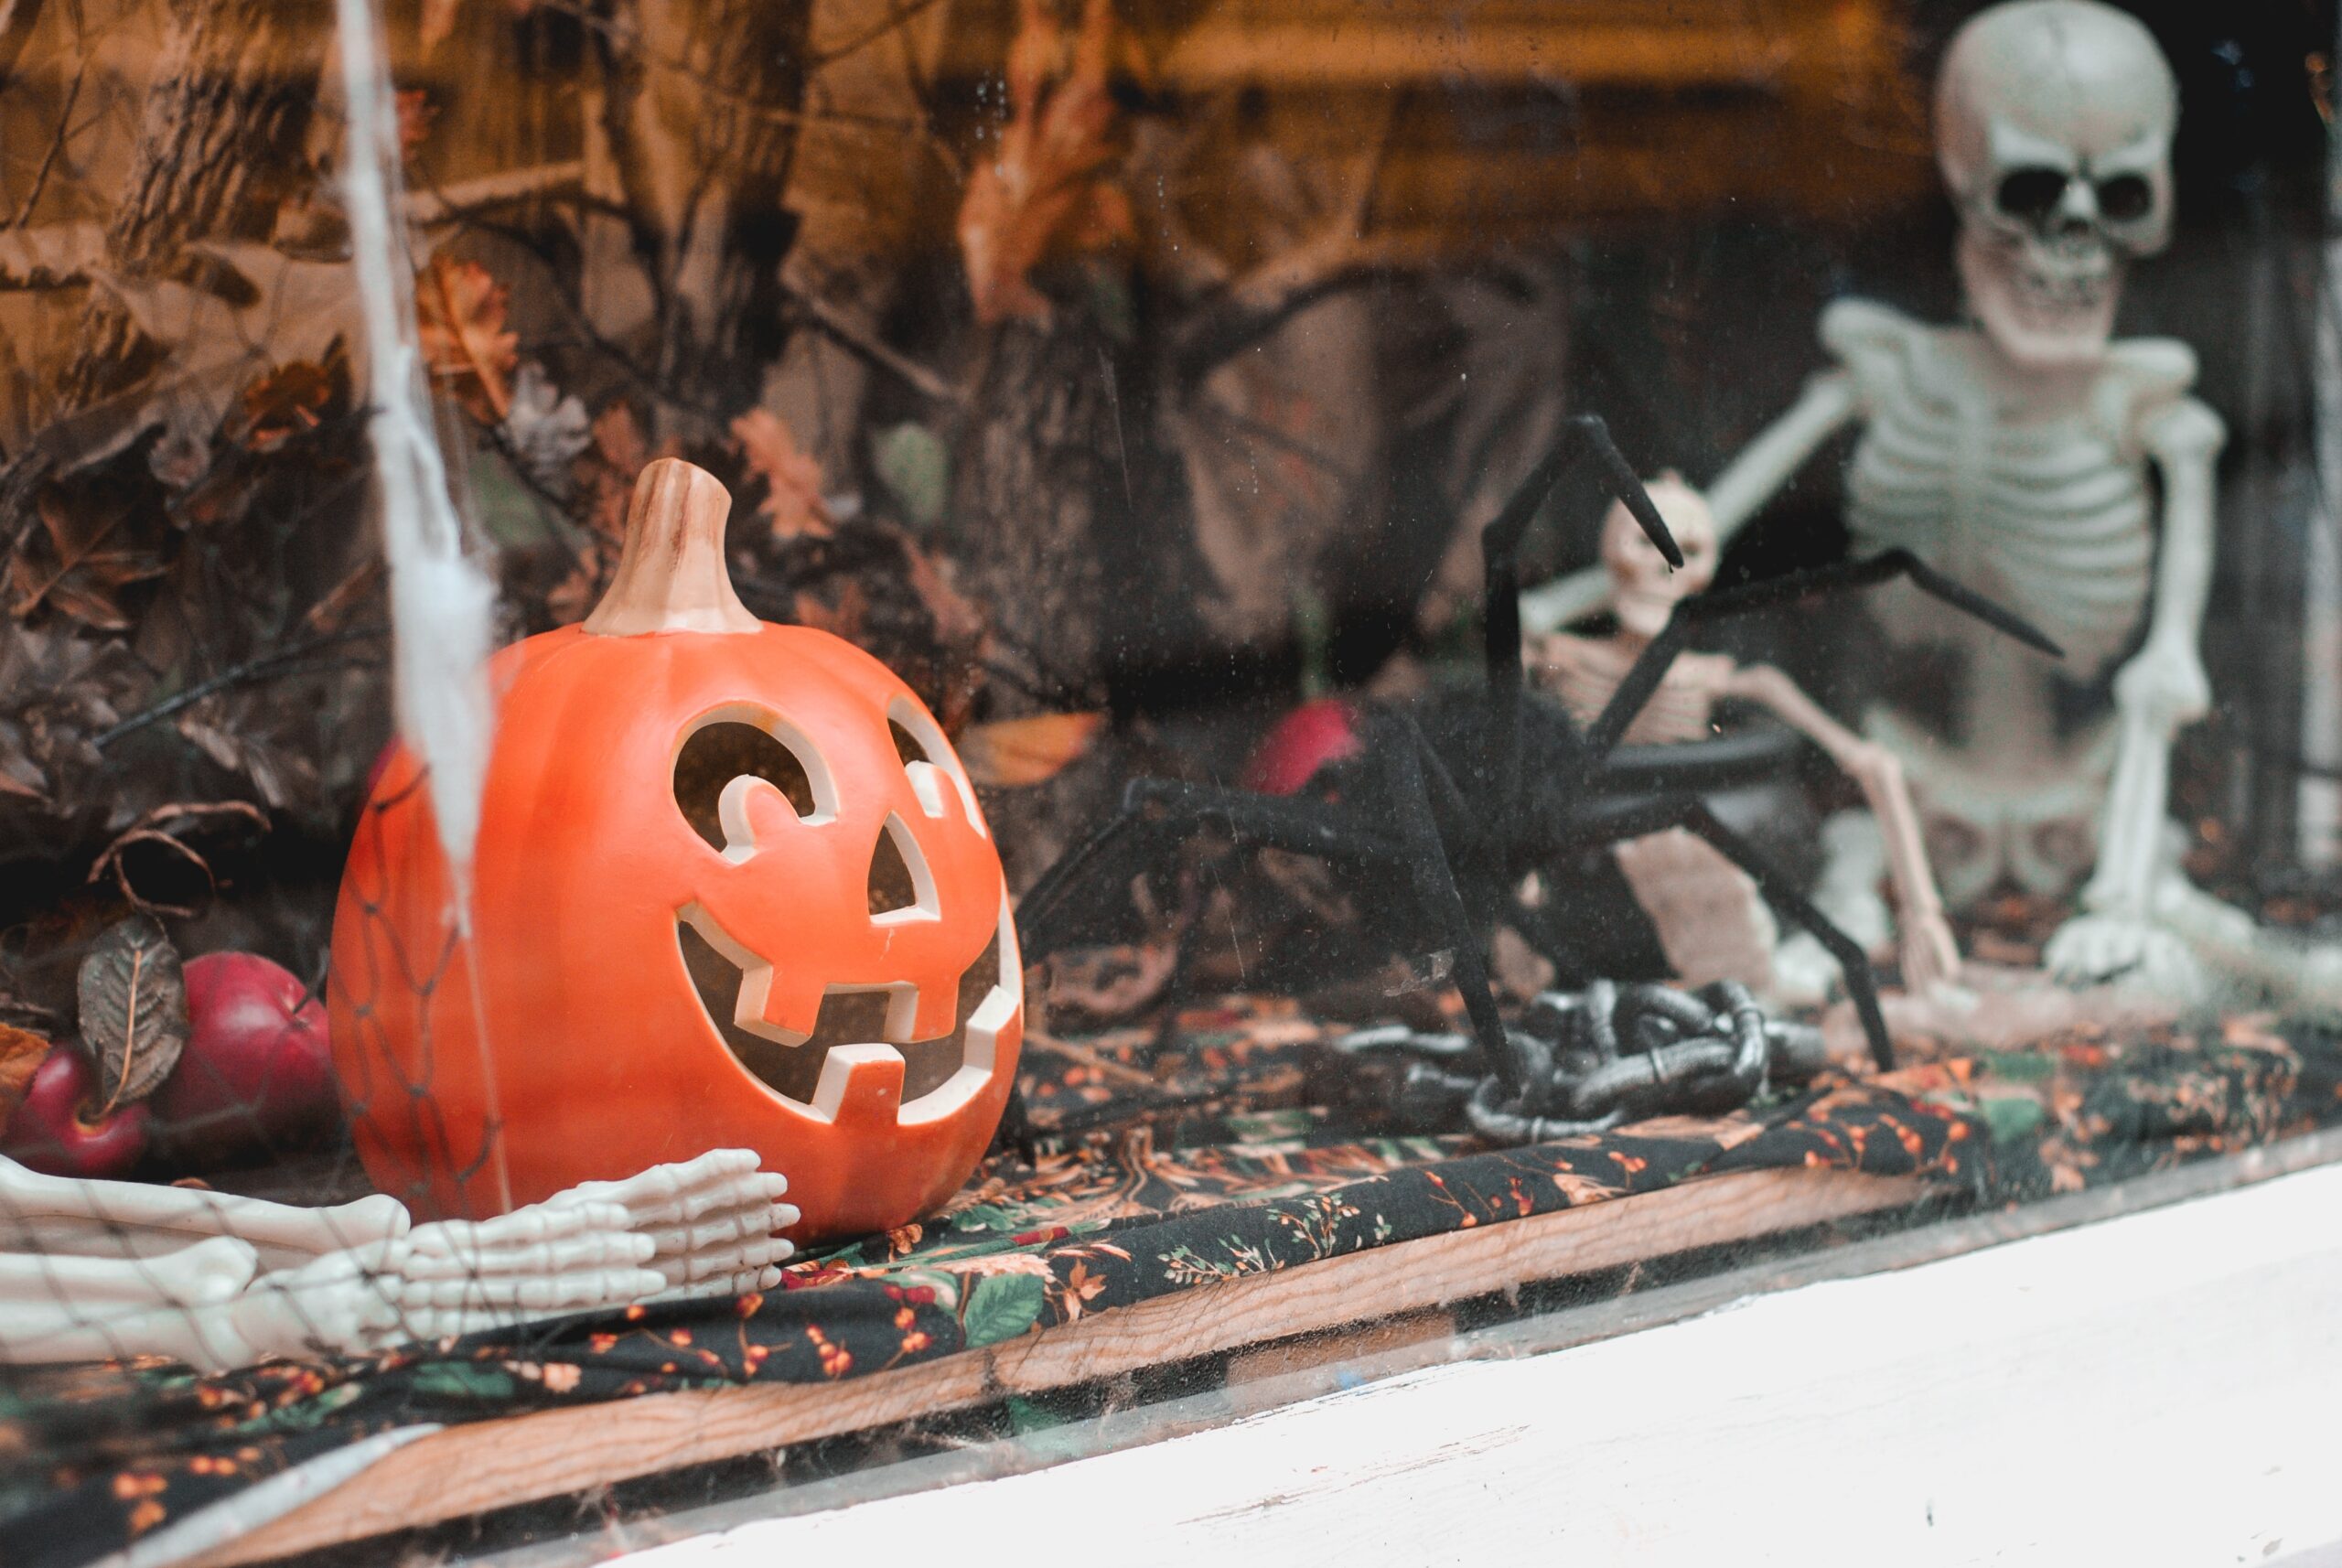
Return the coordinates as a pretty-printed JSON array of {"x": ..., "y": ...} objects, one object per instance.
[
  {"x": 1929, "y": 956},
  {"x": 131, "y": 1219},
  {"x": 2164, "y": 686},
  {"x": 1750, "y": 480},
  {"x": 1771, "y": 460},
  {"x": 703, "y": 1227}
]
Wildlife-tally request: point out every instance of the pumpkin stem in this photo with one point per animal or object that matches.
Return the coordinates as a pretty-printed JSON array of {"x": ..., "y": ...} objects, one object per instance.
[{"x": 671, "y": 576}]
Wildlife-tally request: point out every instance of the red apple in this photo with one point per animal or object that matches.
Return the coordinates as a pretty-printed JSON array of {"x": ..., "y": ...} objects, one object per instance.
[
  {"x": 51, "y": 1130},
  {"x": 1322, "y": 730},
  {"x": 256, "y": 1077}
]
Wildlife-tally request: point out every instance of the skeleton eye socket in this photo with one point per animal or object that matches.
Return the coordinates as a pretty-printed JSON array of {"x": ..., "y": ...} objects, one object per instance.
[
  {"x": 2125, "y": 196},
  {"x": 2031, "y": 194}
]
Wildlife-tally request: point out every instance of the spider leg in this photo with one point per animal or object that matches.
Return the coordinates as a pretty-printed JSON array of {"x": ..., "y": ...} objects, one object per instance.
[
  {"x": 1500, "y": 558},
  {"x": 1651, "y": 666},
  {"x": 1428, "y": 865},
  {"x": 1182, "y": 976},
  {"x": 1156, "y": 814},
  {"x": 1691, "y": 812}
]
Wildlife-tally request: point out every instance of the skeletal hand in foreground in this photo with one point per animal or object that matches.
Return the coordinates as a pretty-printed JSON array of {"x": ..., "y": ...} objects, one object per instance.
[
  {"x": 706, "y": 1227},
  {"x": 712, "y": 1221}
]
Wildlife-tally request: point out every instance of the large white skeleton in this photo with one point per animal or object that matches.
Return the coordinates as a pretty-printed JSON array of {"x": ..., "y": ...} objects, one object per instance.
[
  {"x": 2014, "y": 454},
  {"x": 95, "y": 1268}
]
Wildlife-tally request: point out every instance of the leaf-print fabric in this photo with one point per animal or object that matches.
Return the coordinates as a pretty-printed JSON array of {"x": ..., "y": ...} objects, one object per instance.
[{"x": 1250, "y": 1154}]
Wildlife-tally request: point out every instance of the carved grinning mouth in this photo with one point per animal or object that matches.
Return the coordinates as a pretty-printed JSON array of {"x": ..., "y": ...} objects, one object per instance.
[{"x": 857, "y": 1023}]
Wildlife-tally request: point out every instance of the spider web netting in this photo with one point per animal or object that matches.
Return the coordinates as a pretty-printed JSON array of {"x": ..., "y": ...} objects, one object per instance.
[{"x": 180, "y": 1175}]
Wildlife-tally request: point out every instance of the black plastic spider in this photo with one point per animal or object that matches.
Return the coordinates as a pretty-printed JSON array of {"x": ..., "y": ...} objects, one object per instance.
[{"x": 1456, "y": 803}]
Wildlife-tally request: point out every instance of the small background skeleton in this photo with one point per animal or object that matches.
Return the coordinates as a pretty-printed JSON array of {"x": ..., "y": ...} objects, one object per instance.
[
  {"x": 1678, "y": 879},
  {"x": 2014, "y": 454}
]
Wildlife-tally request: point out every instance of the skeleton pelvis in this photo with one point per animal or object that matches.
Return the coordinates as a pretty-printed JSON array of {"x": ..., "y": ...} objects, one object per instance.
[{"x": 2037, "y": 827}]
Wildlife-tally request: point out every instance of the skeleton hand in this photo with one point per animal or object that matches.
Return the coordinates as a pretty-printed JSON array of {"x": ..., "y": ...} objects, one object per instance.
[
  {"x": 2165, "y": 685},
  {"x": 1930, "y": 958},
  {"x": 712, "y": 1220},
  {"x": 2117, "y": 945},
  {"x": 702, "y": 1228}
]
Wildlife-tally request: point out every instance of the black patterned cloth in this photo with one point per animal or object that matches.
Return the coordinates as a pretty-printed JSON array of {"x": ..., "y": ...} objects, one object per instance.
[{"x": 1232, "y": 1157}]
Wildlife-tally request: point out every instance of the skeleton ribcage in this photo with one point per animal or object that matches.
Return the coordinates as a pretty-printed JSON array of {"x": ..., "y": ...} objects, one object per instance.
[{"x": 2049, "y": 518}]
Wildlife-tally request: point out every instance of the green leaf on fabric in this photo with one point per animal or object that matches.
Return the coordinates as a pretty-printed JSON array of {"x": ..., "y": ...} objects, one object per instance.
[
  {"x": 1271, "y": 1127},
  {"x": 979, "y": 1218},
  {"x": 1002, "y": 1306},
  {"x": 464, "y": 1381},
  {"x": 2010, "y": 1116},
  {"x": 302, "y": 1415},
  {"x": 2018, "y": 1066},
  {"x": 916, "y": 468}
]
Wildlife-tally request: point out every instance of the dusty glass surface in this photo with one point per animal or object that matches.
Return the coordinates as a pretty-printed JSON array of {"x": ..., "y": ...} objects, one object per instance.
[{"x": 1425, "y": 661}]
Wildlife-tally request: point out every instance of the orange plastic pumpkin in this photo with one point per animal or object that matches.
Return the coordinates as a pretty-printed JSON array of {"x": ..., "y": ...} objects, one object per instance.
[{"x": 732, "y": 889}]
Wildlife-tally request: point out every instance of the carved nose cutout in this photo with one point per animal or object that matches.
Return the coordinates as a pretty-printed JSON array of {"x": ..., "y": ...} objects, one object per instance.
[
  {"x": 902, "y": 886},
  {"x": 734, "y": 744}
]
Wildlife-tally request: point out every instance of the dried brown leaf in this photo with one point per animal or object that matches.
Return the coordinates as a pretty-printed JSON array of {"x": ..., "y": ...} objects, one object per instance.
[
  {"x": 958, "y": 622},
  {"x": 1012, "y": 752},
  {"x": 607, "y": 469},
  {"x": 134, "y": 1010},
  {"x": 1046, "y": 191},
  {"x": 845, "y": 620},
  {"x": 460, "y": 309},
  {"x": 331, "y": 612},
  {"x": 21, "y": 1054},
  {"x": 76, "y": 561},
  {"x": 416, "y": 111},
  {"x": 793, "y": 479},
  {"x": 572, "y": 599},
  {"x": 294, "y": 400},
  {"x": 160, "y": 829}
]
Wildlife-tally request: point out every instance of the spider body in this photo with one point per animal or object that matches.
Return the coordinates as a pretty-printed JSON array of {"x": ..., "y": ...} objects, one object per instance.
[{"x": 1438, "y": 815}]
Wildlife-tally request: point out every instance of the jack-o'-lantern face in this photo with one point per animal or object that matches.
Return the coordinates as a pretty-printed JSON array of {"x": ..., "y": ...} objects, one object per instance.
[
  {"x": 832, "y": 925},
  {"x": 732, "y": 889}
]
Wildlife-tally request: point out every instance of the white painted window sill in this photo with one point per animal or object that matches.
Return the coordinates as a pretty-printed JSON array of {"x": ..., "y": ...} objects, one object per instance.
[{"x": 2163, "y": 1387}]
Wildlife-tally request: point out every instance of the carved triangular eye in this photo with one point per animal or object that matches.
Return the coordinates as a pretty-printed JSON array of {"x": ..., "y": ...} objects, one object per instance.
[
  {"x": 891, "y": 887},
  {"x": 907, "y": 746},
  {"x": 902, "y": 886}
]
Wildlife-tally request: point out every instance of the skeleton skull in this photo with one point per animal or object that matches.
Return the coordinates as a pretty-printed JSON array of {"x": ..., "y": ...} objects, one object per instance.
[
  {"x": 1643, "y": 590},
  {"x": 2053, "y": 121}
]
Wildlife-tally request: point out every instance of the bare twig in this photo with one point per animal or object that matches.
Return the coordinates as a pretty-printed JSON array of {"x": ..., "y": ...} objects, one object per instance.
[
  {"x": 626, "y": 40},
  {"x": 1342, "y": 256},
  {"x": 898, "y": 15},
  {"x": 154, "y": 828},
  {"x": 56, "y": 146},
  {"x": 300, "y": 658},
  {"x": 466, "y": 198},
  {"x": 851, "y": 338},
  {"x": 1267, "y": 297}
]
